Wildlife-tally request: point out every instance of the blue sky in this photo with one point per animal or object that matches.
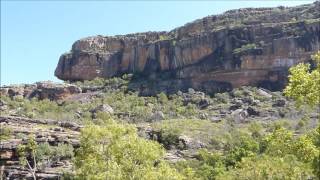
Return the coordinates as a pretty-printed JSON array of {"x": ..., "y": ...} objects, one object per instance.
[{"x": 35, "y": 33}]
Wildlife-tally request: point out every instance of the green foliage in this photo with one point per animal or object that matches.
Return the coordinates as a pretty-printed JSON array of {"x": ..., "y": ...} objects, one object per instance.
[
  {"x": 304, "y": 149},
  {"x": 255, "y": 129},
  {"x": 164, "y": 37},
  {"x": 110, "y": 83},
  {"x": 195, "y": 128},
  {"x": 170, "y": 137},
  {"x": 212, "y": 164},
  {"x": 114, "y": 151},
  {"x": 244, "y": 48},
  {"x": 243, "y": 146},
  {"x": 163, "y": 98},
  {"x": 46, "y": 109},
  {"x": 45, "y": 152},
  {"x": 304, "y": 87},
  {"x": 304, "y": 83},
  {"x": 35, "y": 156},
  {"x": 315, "y": 137},
  {"x": 174, "y": 42},
  {"x": 237, "y": 93},
  {"x": 5, "y": 133},
  {"x": 281, "y": 143},
  {"x": 268, "y": 167},
  {"x": 310, "y": 21},
  {"x": 95, "y": 82},
  {"x": 130, "y": 104},
  {"x": 277, "y": 155},
  {"x": 28, "y": 151},
  {"x": 222, "y": 97},
  {"x": 278, "y": 143}
]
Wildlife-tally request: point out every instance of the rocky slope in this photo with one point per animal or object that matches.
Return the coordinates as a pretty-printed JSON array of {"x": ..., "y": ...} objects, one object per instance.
[
  {"x": 183, "y": 122},
  {"x": 217, "y": 53},
  {"x": 46, "y": 131},
  {"x": 40, "y": 90},
  {"x": 252, "y": 46}
]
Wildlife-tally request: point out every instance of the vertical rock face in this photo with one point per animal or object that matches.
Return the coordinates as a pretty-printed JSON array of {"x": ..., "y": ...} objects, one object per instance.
[{"x": 253, "y": 46}]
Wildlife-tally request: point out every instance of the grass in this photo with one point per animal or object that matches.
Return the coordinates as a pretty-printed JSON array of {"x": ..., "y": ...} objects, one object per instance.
[{"x": 194, "y": 128}]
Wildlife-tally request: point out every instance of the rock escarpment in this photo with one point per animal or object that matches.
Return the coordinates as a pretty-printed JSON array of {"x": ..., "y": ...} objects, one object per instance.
[
  {"x": 40, "y": 90},
  {"x": 252, "y": 46}
]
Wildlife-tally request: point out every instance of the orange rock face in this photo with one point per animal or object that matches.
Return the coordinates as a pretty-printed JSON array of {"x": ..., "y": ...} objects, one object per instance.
[{"x": 240, "y": 47}]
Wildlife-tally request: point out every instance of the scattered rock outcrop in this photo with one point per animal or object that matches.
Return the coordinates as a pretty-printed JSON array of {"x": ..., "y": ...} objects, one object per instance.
[
  {"x": 251, "y": 46},
  {"x": 44, "y": 131},
  {"x": 41, "y": 90}
]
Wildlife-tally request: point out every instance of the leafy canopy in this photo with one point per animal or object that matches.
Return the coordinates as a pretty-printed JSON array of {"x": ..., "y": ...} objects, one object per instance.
[
  {"x": 304, "y": 83},
  {"x": 114, "y": 151}
]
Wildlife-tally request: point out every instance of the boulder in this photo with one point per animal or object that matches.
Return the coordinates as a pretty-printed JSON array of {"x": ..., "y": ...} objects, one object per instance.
[
  {"x": 279, "y": 103},
  {"x": 173, "y": 156},
  {"x": 103, "y": 108},
  {"x": 215, "y": 119},
  {"x": 54, "y": 91},
  {"x": 204, "y": 103},
  {"x": 240, "y": 115},
  {"x": 263, "y": 93},
  {"x": 189, "y": 143},
  {"x": 237, "y": 104},
  {"x": 3, "y": 105},
  {"x": 203, "y": 116},
  {"x": 252, "y": 111},
  {"x": 191, "y": 91},
  {"x": 157, "y": 116}
]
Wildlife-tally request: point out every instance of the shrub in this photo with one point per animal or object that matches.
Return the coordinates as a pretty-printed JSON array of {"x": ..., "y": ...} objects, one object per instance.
[
  {"x": 278, "y": 143},
  {"x": 162, "y": 97},
  {"x": 169, "y": 137},
  {"x": 5, "y": 133},
  {"x": 255, "y": 129},
  {"x": 222, "y": 97},
  {"x": 244, "y": 48},
  {"x": 269, "y": 167},
  {"x": 245, "y": 146}
]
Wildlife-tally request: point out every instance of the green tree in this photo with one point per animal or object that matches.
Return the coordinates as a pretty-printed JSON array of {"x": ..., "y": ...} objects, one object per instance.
[
  {"x": 304, "y": 87},
  {"x": 304, "y": 83},
  {"x": 163, "y": 98},
  {"x": 27, "y": 155},
  {"x": 212, "y": 165},
  {"x": 315, "y": 136},
  {"x": 268, "y": 167},
  {"x": 114, "y": 151},
  {"x": 278, "y": 143},
  {"x": 305, "y": 150}
]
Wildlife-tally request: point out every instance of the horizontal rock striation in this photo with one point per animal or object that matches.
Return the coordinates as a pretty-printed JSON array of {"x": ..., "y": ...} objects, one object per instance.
[
  {"x": 252, "y": 46},
  {"x": 41, "y": 90},
  {"x": 45, "y": 131}
]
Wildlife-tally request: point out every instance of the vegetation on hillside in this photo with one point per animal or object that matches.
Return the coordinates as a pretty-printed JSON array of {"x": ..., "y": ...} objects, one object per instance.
[{"x": 275, "y": 140}]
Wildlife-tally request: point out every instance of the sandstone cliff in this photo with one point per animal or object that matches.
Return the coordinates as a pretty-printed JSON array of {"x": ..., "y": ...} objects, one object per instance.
[{"x": 252, "y": 46}]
